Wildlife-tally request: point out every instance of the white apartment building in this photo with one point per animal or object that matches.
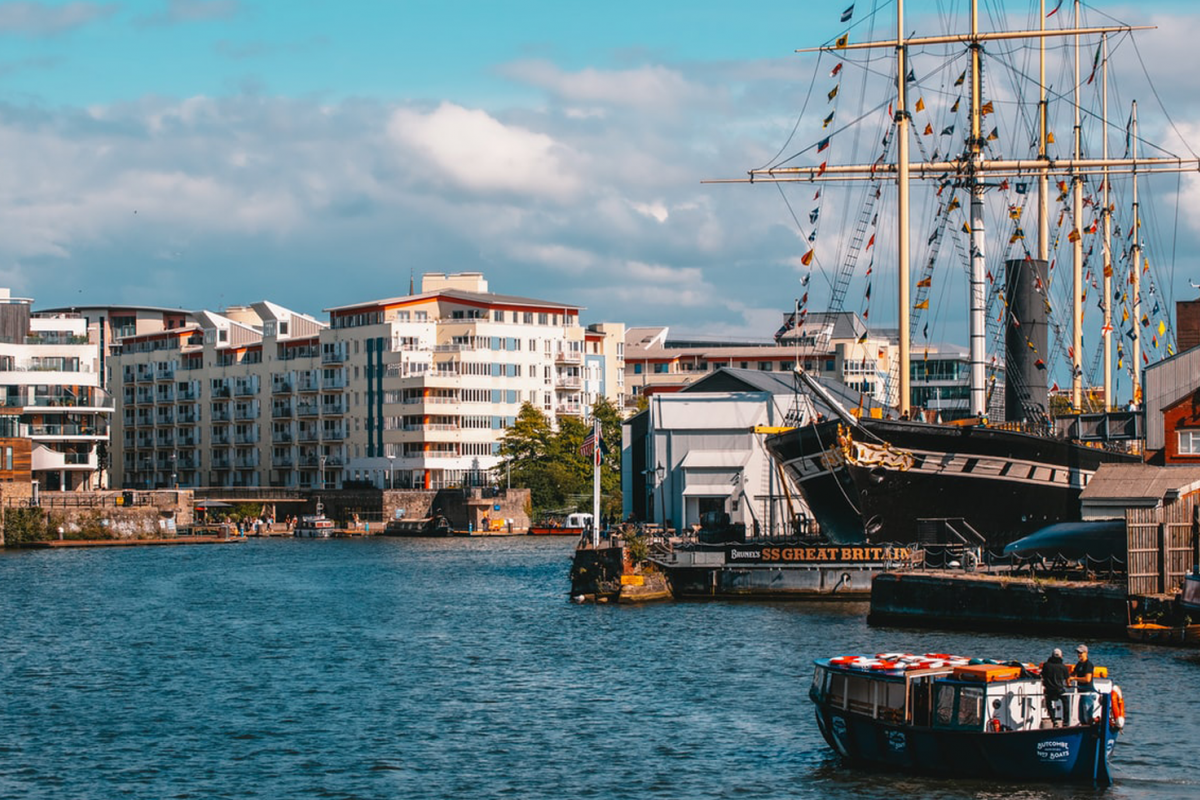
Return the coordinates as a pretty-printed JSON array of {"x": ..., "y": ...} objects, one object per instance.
[
  {"x": 412, "y": 392},
  {"x": 51, "y": 393}
]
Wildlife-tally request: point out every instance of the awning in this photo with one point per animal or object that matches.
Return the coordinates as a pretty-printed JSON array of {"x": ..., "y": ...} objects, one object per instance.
[
  {"x": 715, "y": 459},
  {"x": 710, "y": 490},
  {"x": 212, "y": 504}
]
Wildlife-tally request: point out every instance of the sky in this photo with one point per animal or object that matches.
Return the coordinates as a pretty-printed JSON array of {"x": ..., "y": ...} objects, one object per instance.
[{"x": 207, "y": 153}]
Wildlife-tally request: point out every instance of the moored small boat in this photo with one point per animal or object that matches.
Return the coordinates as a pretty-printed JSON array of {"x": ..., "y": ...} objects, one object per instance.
[
  {"x": 943, "y": 714},
  {"x": 313, "y": 526}
]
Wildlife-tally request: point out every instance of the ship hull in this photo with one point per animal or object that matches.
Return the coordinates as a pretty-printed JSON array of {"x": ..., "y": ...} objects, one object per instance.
[{"x": 889, "y": 480}]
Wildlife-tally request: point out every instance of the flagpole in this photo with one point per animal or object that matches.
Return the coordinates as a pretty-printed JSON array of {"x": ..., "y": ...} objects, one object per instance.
[
  {"x": 978, "y": 262},
  {"x": 596, "y": 451}
]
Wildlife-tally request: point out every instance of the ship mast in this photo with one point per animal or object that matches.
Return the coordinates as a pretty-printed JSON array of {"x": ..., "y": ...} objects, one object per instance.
[
  {"x": 1043, "y": 125},
  {"x": 1077, "y": 248},
  {"x": 978, "y": 327},
  {"x": 1135, "y": 263},
  {"x": 1106, "y": 213},
  {"x": 902, "y": 223}
]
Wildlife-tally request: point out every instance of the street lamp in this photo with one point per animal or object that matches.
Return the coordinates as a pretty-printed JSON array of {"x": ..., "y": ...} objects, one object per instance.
[
  {"x": 659, "y": 473},
  {"x": 174, "y": 484},
  {"x": 391, "y": 471}
]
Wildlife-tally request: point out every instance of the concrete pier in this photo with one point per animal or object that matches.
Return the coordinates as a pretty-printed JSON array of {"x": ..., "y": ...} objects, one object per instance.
[{"x": 997, "y": 602}]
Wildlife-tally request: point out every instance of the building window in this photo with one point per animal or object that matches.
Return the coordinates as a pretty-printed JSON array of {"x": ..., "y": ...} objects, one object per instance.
[
  {"x": 1189, "y": 443},
  {"x": 764, "y": 366}
]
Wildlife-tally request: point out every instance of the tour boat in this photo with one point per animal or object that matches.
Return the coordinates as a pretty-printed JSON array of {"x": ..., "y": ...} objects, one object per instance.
[{"x": 943, "y": 714}]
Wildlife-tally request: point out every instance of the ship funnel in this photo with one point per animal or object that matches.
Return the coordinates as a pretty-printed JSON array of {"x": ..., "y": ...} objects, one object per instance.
[{"x": 1025, "y": 396}]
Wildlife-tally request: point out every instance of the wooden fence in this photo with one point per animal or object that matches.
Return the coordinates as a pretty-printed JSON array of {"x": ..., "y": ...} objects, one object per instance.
[{"x": 1160, "y": 546}]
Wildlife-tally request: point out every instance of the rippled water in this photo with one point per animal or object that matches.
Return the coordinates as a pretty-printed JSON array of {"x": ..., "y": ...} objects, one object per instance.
[{"x": 457, "y": 669}]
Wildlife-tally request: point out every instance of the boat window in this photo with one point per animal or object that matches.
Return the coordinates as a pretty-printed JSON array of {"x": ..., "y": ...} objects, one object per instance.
[
  {"x": 970, "y": 707},
  {"x": 837, "y": 690},
  {"x": 858, "y": 691},
  {"x": 944, "y": 714},
  {"x": 891, "y": 701},
  {"x": 818, "y": 683}
]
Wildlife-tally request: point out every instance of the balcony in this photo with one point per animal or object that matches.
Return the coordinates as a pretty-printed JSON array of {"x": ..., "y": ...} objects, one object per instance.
[
  {"x": 568, "y": 357},
  {"x": 246, "y": 462},
  {"x": 187, "y": 441},
  {"x": 221, "y": 391},
  {"x": 221, "y": 414},
  {"x": 220, "y": 461},
  {"x": 281, "y": 412},
  {"x": 333, "y": 409},
  {"x": 246, "y": 413},
  {"x": 333, "y": 357},
  {"x": 187, "y": 394},
  {"x": 308, "y": 385},
  {"x": 334, "y": 434},
  {"x": 282, "y": 461},
  {"x": 245, "y": 390},
  {"x": 187, "y": 418},
  {"x": 164, "y": 374},
  {"x": 221, "y": 438},
  {"x": 281, "y": 436},
  {"x": 250, "y": 437},
  {"x": 145, "y": 373},
  {"x": 281, "y": 387},
  {"x": 307, "y": 410},
  {"x": 309, "y": 436}
]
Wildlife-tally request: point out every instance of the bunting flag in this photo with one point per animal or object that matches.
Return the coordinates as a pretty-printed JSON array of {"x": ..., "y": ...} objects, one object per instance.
[
  {"x": 862, "y": 339},
  {"x": 926, "y": 331},
  {"x": 1162, "y": 328},
  {"x": 1145, "y": 321},
  {"x": 953, "y": 204},
  {"x": 832, "y": 92},
  {"x": 994, "y": 135},
  {"x": 961, "y": 78},
  {"x": 987, "y": 108},
  {"x": 1095, "y": 64},
  {"x": 828, "y": 120},
  {"x": 1145, "y": 358},
  {"x": 823, "y": 144},
  {"x": 1054, "y": 10},
  {"x": 1039, "y": 363},
  {"x": 592, "y": 445},
  {"x": 842, "y": 40},
  {"x": 817, "y": 195},
  {"x": 1108, "y": 270},
  {"x": 1154, "y": 341},
  {"x": 1049, "y": 137},
  {"x": 920, "y": 104},
  {"x": 1017, "y": 236},
  {"x": 807, "y": 258},
  {"x": 836, "y": 69},
  {"x": 870, "y": 242},
  {"x": 923, "y": 304},
  {"x": 812, "y": 216},
  {"x": 1073, "y": 236},
  {"x": 1054, "y": 388},
  {"x": 1022, "y": 188},
  {"x": 1170, "y": 350},
  {"x": 948, "y": 130},
  {"x": 966, "y": 228},
  {"x": 925, "y": 283},
  {"x": 911, "y": 77},
  {"x": 788, "y": 323},
  {"x": 1107, "y": 329},
  {"x": 848, "y": 13},
  {"x": 868, "y": 295},
  {"x": 928, "y": 129},
  {"x": 1014, "y": 212},
  {"x": 1124, "y": 315},
  {"x": 954, "y": 108},
  {"x": 821, "y": 168}
]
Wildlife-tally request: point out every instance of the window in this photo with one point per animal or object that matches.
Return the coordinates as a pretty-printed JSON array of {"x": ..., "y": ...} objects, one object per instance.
[
  {"x": 764, "y": 366},
  {"x": 1189, "y": 443}
]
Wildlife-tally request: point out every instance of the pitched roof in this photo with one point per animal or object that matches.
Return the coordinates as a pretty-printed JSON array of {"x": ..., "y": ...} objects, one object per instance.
[{"x": 1141, "y": 482}]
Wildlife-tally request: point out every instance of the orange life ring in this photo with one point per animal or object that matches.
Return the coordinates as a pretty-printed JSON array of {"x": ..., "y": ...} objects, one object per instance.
[{"x": 1117, "y": 707}]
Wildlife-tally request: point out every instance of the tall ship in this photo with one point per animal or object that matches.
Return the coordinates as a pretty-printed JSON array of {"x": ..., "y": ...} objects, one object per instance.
[{"x": 909, "y": 475}]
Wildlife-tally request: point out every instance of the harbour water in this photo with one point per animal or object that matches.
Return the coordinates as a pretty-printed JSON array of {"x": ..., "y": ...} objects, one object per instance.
[{"x": 452, "y": 668}]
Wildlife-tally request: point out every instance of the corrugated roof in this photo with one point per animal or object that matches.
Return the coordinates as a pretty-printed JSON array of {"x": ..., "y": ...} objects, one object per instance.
[{"x": 1140, "y": 482}]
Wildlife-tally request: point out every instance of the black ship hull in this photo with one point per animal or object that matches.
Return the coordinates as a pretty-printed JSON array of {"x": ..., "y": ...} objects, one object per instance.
[{"x": 896, "y": 481}]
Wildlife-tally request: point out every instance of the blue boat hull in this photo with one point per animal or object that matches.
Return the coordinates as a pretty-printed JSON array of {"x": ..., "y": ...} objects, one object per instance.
[{"x": 1051, "y": 754}]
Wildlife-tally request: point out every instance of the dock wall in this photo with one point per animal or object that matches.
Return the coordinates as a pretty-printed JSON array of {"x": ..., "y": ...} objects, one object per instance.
[{"x": 986, "y": 602}]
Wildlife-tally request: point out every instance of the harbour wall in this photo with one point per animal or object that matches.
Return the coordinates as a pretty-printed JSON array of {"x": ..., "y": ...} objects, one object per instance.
[{"x": 989, "y": 602}]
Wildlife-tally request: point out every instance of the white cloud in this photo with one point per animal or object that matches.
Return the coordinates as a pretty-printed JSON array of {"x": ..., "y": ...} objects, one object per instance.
[
  {"x": 651, "y": 86},
  {"x": 478, "y": 152},
  {"x": 42, "y": 19}
]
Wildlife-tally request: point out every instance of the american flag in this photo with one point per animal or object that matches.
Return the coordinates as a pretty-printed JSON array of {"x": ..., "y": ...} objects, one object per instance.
[{"x": 591, "y": 445}]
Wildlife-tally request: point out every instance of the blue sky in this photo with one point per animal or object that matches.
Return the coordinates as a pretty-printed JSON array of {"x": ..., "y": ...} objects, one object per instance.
[{"x": 203, "y": 153}]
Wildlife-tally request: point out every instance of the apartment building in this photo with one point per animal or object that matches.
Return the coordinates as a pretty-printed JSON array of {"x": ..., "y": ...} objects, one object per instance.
[
  {"x": 838, "y": 346},
  {"x": 50, "y": 391},
  {"x": 412, "y": 391}
]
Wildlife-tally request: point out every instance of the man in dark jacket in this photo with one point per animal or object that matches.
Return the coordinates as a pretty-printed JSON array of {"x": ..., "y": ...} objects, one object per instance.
[{"x": 1055, "y": 677}]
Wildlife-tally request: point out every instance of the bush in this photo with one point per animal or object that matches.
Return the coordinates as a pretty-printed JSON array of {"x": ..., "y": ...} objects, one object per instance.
[{"x": 25, "y": 525}]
